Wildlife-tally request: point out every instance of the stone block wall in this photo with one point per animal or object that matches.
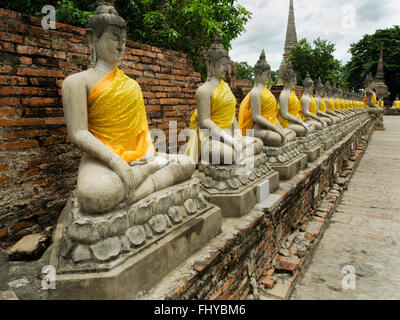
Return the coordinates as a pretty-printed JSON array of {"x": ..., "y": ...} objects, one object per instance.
[{"x": 38, "y": 164}]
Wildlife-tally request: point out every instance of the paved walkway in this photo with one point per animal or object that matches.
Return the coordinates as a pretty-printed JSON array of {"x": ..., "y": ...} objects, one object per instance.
[{"x": 364, "y": 233}]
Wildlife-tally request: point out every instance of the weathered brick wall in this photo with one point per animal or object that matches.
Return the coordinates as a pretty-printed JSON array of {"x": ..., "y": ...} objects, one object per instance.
[{"x": 38, "y": 165}]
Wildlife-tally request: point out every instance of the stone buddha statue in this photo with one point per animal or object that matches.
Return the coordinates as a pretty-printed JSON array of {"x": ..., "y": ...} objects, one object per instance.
[
  {"x": 370, "y": 96},
  {"x": 329, "y": 100},
  {"x": 321, "y": 105},
  {"x": 106, "y": 118},
  {"x": 216, "y": 136},
  {"x": 290, "y": 107},
  {"x": 396, "y": 103},
  {"x": 258, "y": 110},
  {"x": 309, "y": 105}
]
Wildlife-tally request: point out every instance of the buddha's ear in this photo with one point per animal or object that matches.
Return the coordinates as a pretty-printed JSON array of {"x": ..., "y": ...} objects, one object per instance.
[
  {"x": 89, "y": 35},
  {"x": 90, "y": 38}
]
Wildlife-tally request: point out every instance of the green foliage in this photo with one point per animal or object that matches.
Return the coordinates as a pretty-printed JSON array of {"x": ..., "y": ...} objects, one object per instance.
[
  {"x": 365, "y": 58},
  {"x": 274, "y": 78},
  {"x": 245, "y": 71},
  {"x": 188, "y": 26},
  {"x": 318, "y": 61}
]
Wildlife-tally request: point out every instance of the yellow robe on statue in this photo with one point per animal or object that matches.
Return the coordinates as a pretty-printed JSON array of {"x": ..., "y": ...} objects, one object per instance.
[
  {"x": 294, "y": 108},
  {"x": 322, "y": 105},
  {"x": 342, "y": 104},
  {"x": 222, "y": 113},
  {"x": 338, "y": 106},
  {"x": 117, "y": 116},
  {"x": 396, "y": 104},
  {"x": 268, "y": 110},
  {"x": 312, "y": 108},
  {"x": 331, "y": 105}
]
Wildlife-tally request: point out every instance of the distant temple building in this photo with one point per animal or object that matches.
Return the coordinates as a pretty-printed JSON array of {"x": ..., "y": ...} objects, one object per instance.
[
  {"x": 290, "y": 43},
  {"x": 379, "y": 82}
]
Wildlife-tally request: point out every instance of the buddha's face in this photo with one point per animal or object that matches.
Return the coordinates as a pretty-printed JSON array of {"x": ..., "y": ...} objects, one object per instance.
[
  {"x": 221, "y": 68},
  {"x": 110, "y": 46},
  {"x": 291, "y": 81},
  {"x": 264, "y": 76},
  {"x": 310, "y": 87}
]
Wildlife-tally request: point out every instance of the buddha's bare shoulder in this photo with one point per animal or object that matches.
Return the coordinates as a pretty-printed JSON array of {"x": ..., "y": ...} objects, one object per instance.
[
  {"x": 77, "y": 79},
  {"x": 205, "y": 89}
]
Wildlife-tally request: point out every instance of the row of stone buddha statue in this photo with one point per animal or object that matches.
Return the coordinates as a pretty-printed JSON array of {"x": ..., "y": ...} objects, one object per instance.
[
  {"x": 127, "y": 192},
  {"x": 106, "y": 118}
]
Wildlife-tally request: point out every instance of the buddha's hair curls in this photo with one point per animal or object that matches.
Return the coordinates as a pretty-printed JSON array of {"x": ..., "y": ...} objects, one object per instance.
[{"x": 104, "y": 16}]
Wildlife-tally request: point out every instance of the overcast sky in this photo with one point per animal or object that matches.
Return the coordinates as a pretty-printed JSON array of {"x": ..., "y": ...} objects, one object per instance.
[{"x": 340, "y": 21}]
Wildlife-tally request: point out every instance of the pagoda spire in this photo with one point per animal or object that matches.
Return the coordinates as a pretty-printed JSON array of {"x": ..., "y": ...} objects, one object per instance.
[
  {"x": 380, "y": 73},
  {"x": 379, "y": 82},
  {"x": 290, "y": 42}
]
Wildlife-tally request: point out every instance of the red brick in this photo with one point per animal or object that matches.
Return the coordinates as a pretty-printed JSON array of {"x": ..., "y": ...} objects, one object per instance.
[
  {"x": 3, "y": 231},
  {"x": 3, "y": 178},
  {"x": 286, "y": 265},
  {"x": 21, "y": 225},
  {"x": 4, "y": 167},
  {"x": 170, "y": 101},
  {"x": 28, "y": 144},
  {"x": 23, "y": 134},
  {"x": 39, "y": 181},
  {"x": 39, "y": 102},
  {"x": 10, "y": 101},
  {"x": 12, "y": 90},
  {"x": 7, "y": 111},
  {"x": 11, "y": 37},
  {"x": 7, "y": 46},
  {"x": 53, "y": 121},
  {"x": 21, "y": 122},
  {"x": 41, "y": 72},
  {"x": 268, "y": 282}
]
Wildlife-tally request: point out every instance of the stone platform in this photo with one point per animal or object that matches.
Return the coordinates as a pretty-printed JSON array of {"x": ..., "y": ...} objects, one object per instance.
[
  {"x": 120, "y": 254},
  {"x": 233, "y": 188},
  {"x": 236, "y": 264},
  {"x": 327, "y": 138},
  {"x": 288, "y": 160},
  {"x": 311, "y": 146}
]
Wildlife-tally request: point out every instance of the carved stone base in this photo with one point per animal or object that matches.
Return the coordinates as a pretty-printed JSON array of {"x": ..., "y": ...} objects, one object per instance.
[
  {"x": 287, "y": 160},
  {"x": 119, "y": 254},
  {"x": 233, "y": 188},
  {"x": 311, "y": 146},
  {"x": 327, "y": 139}
]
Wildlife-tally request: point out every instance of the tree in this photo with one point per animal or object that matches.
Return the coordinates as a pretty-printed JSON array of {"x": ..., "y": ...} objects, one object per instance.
[
  {"x": 188, "y": 26},
  {"x": 365, "y": 58},
  {"x": 245, "y": 71},
  {"x": 318, "y": 61}
]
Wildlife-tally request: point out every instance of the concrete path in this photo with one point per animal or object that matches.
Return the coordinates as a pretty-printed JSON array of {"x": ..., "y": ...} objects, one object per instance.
[{"x": 359, "y": 255}]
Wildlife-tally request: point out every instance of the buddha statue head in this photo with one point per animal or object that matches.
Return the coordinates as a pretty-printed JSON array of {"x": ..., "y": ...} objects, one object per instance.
[
  {"x": 262, "y": 70},
  {"x": 339, "y": 92},
  {"x": 397, "y": 98},
  {"x": 319, "y": 88},
  {"x": 290, "y": 77},
  {"x": 217, "y": 59},
  {"x": 328, "y": 89},
  {"x": 308, "y": 84},
  {"x": 368, "y": 81},
  {"x": 106, "y": 34}
]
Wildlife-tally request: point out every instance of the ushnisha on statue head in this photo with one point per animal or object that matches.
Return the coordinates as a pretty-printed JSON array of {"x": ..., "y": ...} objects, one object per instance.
[
  {"x": 262, "y": 70},
  {"x": 289, "y": 77},
  {"x": 369, "y": 81},
  {"x": 106, "y": 33},
  {"x": 217, "y": 59},
  {"x": 308, "y": 84}
]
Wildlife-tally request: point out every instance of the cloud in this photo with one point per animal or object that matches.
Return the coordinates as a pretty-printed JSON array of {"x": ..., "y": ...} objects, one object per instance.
[{"x": 339, "y": 21}]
